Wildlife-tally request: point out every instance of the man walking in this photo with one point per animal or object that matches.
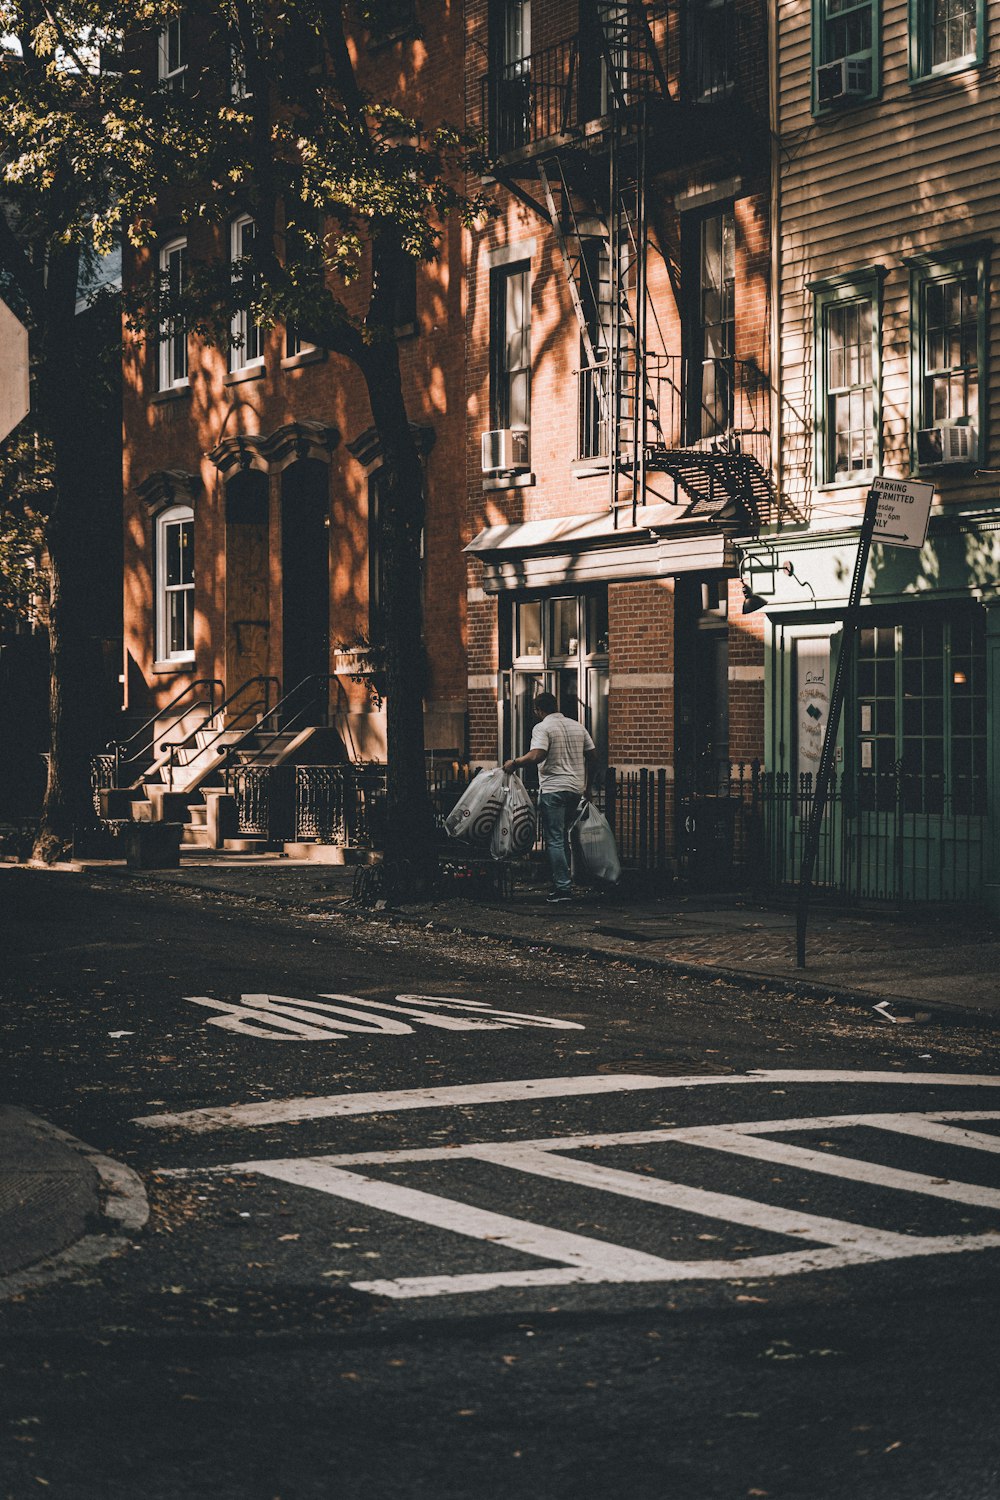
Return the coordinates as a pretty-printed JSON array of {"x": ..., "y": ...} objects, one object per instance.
[{"x": 565, "y": 756}]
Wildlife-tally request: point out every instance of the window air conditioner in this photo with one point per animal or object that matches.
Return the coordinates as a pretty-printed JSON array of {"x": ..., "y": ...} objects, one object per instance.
[
  {"x": 946, "y": 445},
  {"x": 847, "y": 78},
  {"x": 505, "y": 450}
]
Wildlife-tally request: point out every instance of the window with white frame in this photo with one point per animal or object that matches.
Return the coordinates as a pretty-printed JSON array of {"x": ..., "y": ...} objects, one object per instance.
[
  {"x": 948, "y": 343},
  {"x": 846, "y": 52},
  {"x": 172, "y": 58},
  {"x": 174, "y": 551},
  {"x": 510, "y": 346},
  {"x": 172, "y": 350},
  {"x": 247, "y": 346},
  {"x": 945, "y": 35},
  {"x": 848, "y": 378}
]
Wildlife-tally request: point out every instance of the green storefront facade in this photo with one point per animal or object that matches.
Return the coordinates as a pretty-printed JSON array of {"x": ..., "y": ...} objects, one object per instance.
[{"x": 915, "y": 811}]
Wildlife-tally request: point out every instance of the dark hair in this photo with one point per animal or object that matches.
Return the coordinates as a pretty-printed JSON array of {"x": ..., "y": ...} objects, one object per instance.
[{"x": 545, "y": 704}]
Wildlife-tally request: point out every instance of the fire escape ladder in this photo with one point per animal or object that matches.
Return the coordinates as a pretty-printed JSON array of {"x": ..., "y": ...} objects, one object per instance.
[{"x": 576, "y": 269}]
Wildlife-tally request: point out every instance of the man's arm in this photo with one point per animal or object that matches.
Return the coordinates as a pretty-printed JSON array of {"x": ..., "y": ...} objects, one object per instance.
[
  {"x": 589, "y": 766},
  {"x": 529, "y": 758}
]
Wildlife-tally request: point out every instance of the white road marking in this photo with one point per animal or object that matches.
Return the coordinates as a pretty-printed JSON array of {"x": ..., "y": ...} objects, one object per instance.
[
  {"x": 579, "y": 1259},
  {"x": 749, "y": 1144},
  {"x": 282, "y": 1018},
  {"x": 328, "y": 1106},
  {"x": 336, "y": 1106}
]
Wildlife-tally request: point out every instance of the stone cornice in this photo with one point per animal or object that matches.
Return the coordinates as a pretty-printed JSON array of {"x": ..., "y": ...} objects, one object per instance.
[
  {"x": 168, "y": 487},
  {"x": 367, "y": 448},
  {"x": 272, "y": 453}
]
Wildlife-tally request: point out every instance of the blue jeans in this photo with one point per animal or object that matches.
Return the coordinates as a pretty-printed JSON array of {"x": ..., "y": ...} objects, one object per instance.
[{"x": 558, "y": 810}]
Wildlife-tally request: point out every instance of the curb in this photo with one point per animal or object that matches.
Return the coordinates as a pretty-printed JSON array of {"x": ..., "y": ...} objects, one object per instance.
[
  {"x": 942, "y": 1012},
  {"x": 123, "y": 1203}
]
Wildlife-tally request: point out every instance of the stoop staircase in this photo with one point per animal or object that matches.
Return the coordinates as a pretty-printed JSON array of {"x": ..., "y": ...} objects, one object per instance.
[{"x": 180, "y": 775}]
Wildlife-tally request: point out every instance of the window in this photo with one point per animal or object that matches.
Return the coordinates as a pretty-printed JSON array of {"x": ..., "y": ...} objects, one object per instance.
[
  {"x": 712, "y": 325},
  {"x": 247, "y": 347},
  {"x": 711, "y": 48},
  {"x": 172, "y": 60},
  {"x": 510, "y": 346},
  {"x": 510, "y": 47},
  {"x": 848, "y": 390},
  {"x": 172, "y": 351},
  {"x": 393, "y": 19},
  {"x": 921, "y": 712},
  {"x": 948, "y": 341},
  {"x": 846, "y": 57},
  {"x": 945, "y": 35},
  {"x": 594, "y": 382},
  {"x": 557, "y": 645},
  {"x": 175, "y": 584}
]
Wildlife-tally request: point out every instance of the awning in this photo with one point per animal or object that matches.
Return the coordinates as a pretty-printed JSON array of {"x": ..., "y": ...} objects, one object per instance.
[{"x": 589, "y": 549}]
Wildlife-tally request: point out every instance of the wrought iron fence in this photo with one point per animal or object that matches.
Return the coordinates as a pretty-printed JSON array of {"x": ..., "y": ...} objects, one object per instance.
[{"x": 885, "y": 836}]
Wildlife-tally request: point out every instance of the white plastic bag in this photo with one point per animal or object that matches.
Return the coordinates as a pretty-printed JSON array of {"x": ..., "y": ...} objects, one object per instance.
[
  {"x": 594, "y": 845},
  {"x": 478, "y": 808},
  {"x": 514, "y": 829}
]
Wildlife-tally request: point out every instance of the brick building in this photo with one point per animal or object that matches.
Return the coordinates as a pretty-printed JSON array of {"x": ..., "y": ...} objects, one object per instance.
[
  {"x": 618, "y": 441},
  {"x": 252, "y": 475}
]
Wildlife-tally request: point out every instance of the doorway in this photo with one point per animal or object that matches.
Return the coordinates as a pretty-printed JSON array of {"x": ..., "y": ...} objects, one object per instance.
[
  {"x": 305, "y": 566},
  {"x": 247, "y": 581},
  {"x": 702, "y": 685}
]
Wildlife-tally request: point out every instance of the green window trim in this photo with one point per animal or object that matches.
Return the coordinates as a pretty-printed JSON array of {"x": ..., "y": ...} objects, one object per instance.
[
  {"x": 920, "y": 709},
  {"x": 927, "y": 270},
  {"x": 960, "y": 17},
  {"x": 837, "y": 295},
  {"x": 848, "y": 30}
]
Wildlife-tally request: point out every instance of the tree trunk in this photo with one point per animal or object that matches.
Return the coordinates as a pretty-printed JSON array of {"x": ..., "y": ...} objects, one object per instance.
[
  {"x": 74, "y": 652},
  {"x": 410, "y": 857}
]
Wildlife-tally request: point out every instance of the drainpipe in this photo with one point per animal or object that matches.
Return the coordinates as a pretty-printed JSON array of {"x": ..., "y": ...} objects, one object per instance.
[{"x": 774, "y": 115}]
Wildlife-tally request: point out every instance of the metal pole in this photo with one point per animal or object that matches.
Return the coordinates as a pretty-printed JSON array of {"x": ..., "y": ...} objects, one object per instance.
[{"x": 826, "y": 761}]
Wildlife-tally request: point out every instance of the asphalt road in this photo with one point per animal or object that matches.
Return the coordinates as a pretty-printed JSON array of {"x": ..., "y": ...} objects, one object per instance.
[{"x": 553, "y": 1229}]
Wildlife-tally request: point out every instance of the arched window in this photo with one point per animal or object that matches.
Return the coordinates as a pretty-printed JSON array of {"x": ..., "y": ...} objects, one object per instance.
[{"x": 174, "y": 550}]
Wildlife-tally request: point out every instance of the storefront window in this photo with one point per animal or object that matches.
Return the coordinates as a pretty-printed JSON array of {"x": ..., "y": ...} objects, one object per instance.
[
  {"x": 558, "y": 644},
  {"x": 921, "y": 713}
]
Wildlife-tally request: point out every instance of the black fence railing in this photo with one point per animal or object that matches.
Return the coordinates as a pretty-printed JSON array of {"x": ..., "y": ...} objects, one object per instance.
[{"x": 885, "y": 837}]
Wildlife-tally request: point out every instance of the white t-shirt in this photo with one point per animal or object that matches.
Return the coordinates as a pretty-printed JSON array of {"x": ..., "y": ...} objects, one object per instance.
[{"x": 565, "y": 742}]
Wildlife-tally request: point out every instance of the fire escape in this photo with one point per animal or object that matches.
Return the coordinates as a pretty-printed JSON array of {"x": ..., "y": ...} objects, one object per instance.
[{"x": 578, "y": 131}]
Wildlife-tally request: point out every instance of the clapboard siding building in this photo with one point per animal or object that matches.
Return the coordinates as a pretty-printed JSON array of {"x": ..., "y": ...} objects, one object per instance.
[{"x": 888, "y": 335}]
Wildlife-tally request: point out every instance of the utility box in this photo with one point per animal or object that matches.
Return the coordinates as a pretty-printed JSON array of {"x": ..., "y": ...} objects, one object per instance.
[{"x": 153, "y": 846}]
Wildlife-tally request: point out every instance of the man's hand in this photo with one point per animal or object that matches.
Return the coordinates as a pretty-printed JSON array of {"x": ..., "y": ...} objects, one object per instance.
[{"x": 509, "y": 765}]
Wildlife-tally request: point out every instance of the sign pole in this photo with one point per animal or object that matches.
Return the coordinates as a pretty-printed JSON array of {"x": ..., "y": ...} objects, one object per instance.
[{"x": 824, "y": 772}]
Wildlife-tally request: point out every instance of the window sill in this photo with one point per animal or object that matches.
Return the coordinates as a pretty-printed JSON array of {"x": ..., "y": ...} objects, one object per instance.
[
  {"x": 843, "y": 486},
  {"x": 306, "y": 357},
  {"x": 249, "y": 372},
  {"x": 172, "y": 393},
  {"x": 589, "y": 468},
  {"x": 952, "y": 70},
  {"x": 521, "y": 481},
  {"x": 177, "y": 664}
]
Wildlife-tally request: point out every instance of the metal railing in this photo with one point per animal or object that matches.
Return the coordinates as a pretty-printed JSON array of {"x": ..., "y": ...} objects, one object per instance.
[
  {"x": 709, "y": 403},
  {"x": 885, "y": 836},
  {"x": 123, "y": 754},
  {"x": 569, "y": 84}
]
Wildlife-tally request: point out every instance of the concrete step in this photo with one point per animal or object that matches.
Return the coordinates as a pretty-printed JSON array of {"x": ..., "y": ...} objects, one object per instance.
[{"x": 197, "y": 835}]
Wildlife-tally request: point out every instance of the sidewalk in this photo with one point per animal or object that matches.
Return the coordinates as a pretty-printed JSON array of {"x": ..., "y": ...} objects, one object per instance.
[
  {"x": 63, "y": 1205},
  {"x": 918, "y": 960}
]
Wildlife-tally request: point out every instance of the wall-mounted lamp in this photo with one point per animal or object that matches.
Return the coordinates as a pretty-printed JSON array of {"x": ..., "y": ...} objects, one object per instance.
[
  {"x": 803, "y": 583},
  {"x": 751, "y": 602}
]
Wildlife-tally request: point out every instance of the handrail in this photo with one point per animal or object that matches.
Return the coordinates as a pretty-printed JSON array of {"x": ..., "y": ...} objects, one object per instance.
[
  {"x": 314, "y": 677},
  {"x": 175, "y": 745},
  {"x": 118, "y": 746}
]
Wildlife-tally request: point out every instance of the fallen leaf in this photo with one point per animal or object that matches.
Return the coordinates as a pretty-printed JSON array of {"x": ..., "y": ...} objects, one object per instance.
[{"x": 282, "y": 1237}]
